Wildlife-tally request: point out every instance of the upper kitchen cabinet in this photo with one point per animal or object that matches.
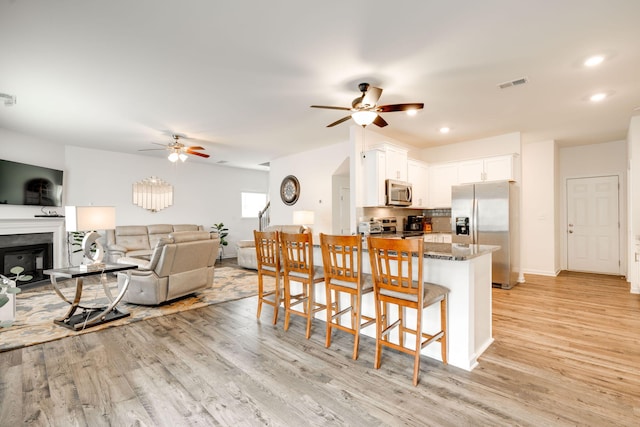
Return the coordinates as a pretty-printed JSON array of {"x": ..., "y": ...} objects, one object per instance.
[
  {"x": 497, "y": 168},
  {"x": 418, "y": 176},
  {"x": 396, "y": 165},
  {"x": 382, "y": 163},
  {"x": 442, "y": 177}
]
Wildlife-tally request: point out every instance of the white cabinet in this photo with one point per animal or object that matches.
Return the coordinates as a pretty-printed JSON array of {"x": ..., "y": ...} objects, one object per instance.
[
  {"x": 497, "y": 168},
  {"x": 437, "y": 238},
  {"x": 375, "y": 162},
  {"x": 470, "y": 171},
  {"x": 396, "y": 166},
  {"x": 441, "y": 178},
  {"x": 380, "y": 164},
  {"x": 418, "y": 176}
]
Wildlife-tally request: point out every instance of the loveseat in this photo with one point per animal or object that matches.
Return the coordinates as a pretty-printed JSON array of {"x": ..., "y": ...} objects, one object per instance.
[
  {"x": 180, "y": 264},
  {"x": 138, "y": 241},
  {"x": 246, "y": 249}
]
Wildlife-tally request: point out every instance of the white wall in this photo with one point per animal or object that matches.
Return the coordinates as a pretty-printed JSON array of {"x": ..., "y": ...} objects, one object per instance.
[
  {"x": 609, "y": 158},
  {"x": 539, "y": 247},
  {"x": 203, "y": 194},
  {"x": 314, "y": 170},
  {"x": 633, "y": 233},
  {"x": 493, "y": 146}
]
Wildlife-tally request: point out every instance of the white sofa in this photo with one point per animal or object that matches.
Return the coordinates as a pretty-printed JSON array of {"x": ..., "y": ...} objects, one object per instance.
[
  {"x": 246, "y": 249},
  {"x": 138, "y": 241}
]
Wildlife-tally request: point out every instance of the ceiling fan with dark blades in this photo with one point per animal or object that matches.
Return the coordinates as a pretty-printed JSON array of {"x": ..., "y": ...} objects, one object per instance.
[
  {"x": 179, "y": 151},
  {"x": 365, "y": 110}
]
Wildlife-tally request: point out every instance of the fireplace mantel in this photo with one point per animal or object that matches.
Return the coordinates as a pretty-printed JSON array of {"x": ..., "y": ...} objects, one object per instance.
[{"x": 53, "y": 225}]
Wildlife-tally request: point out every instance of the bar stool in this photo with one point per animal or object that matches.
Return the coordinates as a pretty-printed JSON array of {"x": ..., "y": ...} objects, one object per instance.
[
  {"x": 342, "y": 260},
  {"x": 297, "y": 259},
  {"x": 397, "y": 267},
  {"x": 268, "y": 257}
]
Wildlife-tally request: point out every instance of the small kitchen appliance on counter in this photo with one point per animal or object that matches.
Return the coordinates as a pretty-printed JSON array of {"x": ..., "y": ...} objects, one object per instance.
[
  {"x": 414, "y": 223},
  {"x": 372, "y": 226},
  {"x": 389, "y": 224}
]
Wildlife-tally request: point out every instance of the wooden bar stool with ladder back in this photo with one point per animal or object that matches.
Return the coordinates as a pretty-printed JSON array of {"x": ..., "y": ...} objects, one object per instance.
[
  {"x": 397, "y": 267},
  {"x": 268, "y": 260},
  {"x": 342, "y": 260},
  {"x": 297, "y": 260}
]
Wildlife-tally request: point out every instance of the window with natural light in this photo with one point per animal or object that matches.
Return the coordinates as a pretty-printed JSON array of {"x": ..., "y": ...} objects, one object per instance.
[{"x": 252, "y": 203}]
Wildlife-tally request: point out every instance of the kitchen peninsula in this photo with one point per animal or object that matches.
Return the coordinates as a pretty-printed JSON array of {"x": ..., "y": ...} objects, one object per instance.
[{"x": 466, "y": 271}]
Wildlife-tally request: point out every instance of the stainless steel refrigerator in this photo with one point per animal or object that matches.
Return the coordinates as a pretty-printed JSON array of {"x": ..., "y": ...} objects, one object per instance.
[{"x": 488, "y": 214}]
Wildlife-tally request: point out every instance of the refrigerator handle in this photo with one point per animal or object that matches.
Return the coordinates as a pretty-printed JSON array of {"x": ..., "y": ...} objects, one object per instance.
[{"x": 475, "y": 222}]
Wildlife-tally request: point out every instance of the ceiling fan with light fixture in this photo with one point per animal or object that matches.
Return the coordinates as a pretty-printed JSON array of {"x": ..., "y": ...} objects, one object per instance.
[
  {"x": 364, "y": 109},
  {"x": 179, "y": 151}
]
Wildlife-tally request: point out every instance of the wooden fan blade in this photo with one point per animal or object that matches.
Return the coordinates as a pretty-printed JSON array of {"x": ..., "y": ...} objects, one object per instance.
[
  {"x": 194, "y": 147},
  {"x": 371, "y": 96},
  {"x": 379, "y": 121},
  {"x": 331, "y": 108},
  {"x": 344, "y": 119},
  {"x": 399, "y": 107},
  {"x": 195, "y": 153}
]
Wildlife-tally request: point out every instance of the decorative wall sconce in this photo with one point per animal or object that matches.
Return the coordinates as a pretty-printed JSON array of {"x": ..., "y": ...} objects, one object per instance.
[{"x": 153, "y": 194}]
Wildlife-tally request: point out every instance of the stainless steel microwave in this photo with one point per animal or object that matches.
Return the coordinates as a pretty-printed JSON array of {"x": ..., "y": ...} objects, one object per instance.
[{"x": 398, "y": 193}]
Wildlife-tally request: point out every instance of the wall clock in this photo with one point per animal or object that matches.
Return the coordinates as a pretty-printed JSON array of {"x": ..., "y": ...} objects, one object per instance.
[{"x": 290, "y": 190}]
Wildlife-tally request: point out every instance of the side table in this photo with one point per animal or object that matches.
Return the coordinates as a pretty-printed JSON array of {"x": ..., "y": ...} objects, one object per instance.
[{"x": 90, "y": 315}]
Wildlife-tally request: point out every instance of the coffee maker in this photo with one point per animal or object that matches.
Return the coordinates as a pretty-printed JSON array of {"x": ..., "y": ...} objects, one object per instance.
[{"x": 414, "y": 223}]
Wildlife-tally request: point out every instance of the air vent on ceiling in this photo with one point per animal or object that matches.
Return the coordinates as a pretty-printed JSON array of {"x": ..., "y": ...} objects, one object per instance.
[{"x": 516, "y": 82}]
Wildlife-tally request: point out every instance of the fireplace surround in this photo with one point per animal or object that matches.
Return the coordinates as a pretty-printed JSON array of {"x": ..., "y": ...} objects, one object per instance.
[{"x": 33, "y": 244}]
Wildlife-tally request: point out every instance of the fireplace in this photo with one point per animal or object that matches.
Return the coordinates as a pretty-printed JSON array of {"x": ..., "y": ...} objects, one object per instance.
[
  {"x": 34, "y": 244},
  {"x": 33, "y": 252}
]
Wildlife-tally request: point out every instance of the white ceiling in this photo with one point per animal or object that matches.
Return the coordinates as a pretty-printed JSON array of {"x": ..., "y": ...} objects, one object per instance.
[{"x": 238, "y": 77}]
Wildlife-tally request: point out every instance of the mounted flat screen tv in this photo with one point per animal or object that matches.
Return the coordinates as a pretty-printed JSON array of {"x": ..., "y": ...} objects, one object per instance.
[{"x": 22, "y": 184}]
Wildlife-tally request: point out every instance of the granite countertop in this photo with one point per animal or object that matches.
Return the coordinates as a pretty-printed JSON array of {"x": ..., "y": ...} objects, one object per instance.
[
  {"x": 456, "y": 251},
  {"x": 449, "y": 251}
]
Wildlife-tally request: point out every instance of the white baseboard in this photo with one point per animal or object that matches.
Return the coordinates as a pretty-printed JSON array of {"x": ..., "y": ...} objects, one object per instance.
[{"x": 541, "y": 272}]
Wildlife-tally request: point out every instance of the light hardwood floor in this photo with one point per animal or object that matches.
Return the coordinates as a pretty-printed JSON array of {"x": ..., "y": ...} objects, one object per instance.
[{"x": 566, "y": 353}]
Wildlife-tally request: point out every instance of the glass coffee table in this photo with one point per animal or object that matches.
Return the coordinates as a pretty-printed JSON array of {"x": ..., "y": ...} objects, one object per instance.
[{"x": 90, "y": 315}]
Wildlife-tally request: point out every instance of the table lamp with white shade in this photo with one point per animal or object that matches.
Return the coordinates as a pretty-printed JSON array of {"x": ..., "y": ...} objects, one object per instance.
[
  {"x": 90, "y": 219},
  {"x": 304, "y": 218}
]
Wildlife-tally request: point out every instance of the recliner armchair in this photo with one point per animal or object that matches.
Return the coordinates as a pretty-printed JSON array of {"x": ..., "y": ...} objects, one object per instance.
[{"x": 180, "y": 264}]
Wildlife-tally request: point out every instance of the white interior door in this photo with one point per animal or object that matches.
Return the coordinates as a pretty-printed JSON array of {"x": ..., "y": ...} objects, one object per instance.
[{"x": 593, "y": 234}]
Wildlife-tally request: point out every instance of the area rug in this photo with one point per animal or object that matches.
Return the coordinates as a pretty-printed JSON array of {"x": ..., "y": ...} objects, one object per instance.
[{"x": 35, "y": 310}]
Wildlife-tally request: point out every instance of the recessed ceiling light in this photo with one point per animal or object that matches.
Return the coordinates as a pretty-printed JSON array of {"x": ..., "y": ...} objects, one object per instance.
[
  {"x": 593, "y": 61},
  {"x": 412, "y": 112},
  {"x": 444, "y": 129},
  {"x": 598, "y": 97}
]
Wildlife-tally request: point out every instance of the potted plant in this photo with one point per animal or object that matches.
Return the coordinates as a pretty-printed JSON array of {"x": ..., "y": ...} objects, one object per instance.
[
  {"x": 8, "y": 291},
  {"x": 223, "y": 232}
]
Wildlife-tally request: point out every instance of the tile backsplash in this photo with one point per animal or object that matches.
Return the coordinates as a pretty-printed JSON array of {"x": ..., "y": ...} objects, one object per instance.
[{"x": 441, "y": 224}]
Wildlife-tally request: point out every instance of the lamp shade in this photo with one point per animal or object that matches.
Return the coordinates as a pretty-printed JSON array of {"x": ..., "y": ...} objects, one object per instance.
[
  {"x": 364, "y": 118},
  {"x": 89, "y": 218},
  {"x": 303, "y": 217}
]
